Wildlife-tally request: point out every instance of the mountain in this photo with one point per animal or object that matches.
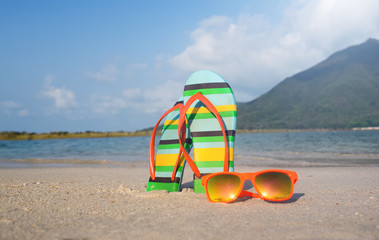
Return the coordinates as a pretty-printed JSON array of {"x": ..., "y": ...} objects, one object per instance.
[{"x": 340, "y": 92}]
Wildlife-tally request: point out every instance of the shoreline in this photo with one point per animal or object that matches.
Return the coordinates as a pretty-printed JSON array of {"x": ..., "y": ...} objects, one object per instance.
[
  {"x": 12, "y": 135},
  {"x": 111, "y": 203},
  {"x": 367, "y": 160}
]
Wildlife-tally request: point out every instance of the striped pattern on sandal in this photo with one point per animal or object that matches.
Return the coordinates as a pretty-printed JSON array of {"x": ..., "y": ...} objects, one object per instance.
[
  {"x": 167, "y": 155},
  {"x": 207, "y": 138}
]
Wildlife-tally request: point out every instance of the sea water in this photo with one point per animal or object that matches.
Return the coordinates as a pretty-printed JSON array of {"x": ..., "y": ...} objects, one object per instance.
[
  {"x": 317, "y": 148},
  {"x": 309, "y": 148}
]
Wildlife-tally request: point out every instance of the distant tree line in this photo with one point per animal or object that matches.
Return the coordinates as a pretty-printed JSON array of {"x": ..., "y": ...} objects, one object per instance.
[{"x": 14, "y": 135}]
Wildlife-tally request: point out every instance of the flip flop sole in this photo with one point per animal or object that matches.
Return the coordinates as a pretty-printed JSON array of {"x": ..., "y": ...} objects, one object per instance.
[
  {"x": 207, "y": 138},
  {"x": 166, "y": 156}
]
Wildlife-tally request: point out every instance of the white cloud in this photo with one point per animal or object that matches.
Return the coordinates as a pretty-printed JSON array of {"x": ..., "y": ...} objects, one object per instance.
[
  {"x": 328, "y": 24},
  {"x": 254, "y": 55},
  {"x": 23, "y": 112},
  {"x": 133, "y": 67},
  {"x": 154, "y": 100},
  {"x": 62, "y": 97},
  {"x": 10, "y": 104},
  {"x": 143, "y": 100},
  {"x": 132, "y": 93},
  {"x": 112, "y": 73},
  {"x": 107, "y": 73},
  {"x": 13, "y": 108},
  {"x": 107, "y": 105}
]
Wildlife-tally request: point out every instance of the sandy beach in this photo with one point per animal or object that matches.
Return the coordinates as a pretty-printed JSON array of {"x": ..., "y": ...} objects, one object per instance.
[{"x": 111, "y": 203}]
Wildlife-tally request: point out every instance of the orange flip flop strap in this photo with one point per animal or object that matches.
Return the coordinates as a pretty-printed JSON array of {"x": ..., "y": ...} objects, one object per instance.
[
  {"x": 181, "y": 133},
  {"x": 152, "y": 140}
]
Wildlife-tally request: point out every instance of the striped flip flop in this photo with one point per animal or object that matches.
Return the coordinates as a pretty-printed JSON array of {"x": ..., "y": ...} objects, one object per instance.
[
  {"x": 163, "y": 176},
  {"x": 205, "y": 130}
]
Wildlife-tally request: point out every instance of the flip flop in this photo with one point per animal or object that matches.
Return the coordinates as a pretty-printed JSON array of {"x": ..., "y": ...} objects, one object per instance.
[
  {"x": 163, "y": 176},
  {"x": 205, "y": 129}
]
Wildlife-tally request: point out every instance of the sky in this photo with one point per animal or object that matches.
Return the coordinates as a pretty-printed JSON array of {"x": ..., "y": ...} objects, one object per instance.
[{"x": 119, "y": 65}]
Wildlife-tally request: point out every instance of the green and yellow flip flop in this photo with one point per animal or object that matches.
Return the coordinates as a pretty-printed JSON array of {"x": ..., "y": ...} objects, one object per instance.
[
  {"x": 205, "y": 130},
  {"x": 168, "y": 155}
]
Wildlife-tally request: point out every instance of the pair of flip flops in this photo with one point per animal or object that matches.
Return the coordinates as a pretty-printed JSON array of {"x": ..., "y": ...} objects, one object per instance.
[{"x": 203, "y": 119}]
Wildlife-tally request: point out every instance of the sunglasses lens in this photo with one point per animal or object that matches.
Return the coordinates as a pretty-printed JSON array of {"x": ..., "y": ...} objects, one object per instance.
[
  {"x": 224, "y": 187},
  {"x": 274, "y": 185}
]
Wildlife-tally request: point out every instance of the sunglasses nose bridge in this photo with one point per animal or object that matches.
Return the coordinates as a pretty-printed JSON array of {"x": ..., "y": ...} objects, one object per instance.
[{"x": 249, "y": 176}]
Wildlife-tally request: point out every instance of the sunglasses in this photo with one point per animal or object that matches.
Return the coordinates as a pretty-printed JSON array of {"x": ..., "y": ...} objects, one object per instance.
[{"x": 271, "y": 185}]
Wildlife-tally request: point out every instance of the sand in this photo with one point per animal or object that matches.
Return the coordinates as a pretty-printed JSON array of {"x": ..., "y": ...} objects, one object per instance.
[{"x": 111, "y": 203}]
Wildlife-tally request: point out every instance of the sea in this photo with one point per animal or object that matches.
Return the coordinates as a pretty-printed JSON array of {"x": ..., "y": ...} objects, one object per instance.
[{"x": 276, "y": 149}]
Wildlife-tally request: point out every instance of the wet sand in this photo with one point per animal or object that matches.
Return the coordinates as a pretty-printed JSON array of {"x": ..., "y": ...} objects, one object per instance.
[{"x": 111, "y": 203}]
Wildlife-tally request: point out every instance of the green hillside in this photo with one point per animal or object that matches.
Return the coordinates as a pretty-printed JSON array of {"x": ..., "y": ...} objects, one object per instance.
[{"x": 340, "y": 92}]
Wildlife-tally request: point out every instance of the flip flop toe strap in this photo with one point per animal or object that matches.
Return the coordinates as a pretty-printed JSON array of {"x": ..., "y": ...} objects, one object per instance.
[
  {"x": 152, "y": 141},
  {"x": 182, "y": 133}
]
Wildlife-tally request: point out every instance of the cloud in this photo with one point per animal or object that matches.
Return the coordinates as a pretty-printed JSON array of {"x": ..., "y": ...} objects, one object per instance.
[
  {"x": 108, "y": 73},
  {"x": 111, "y": 73},
  {"x": 107, "y": 105},
  {"x": 143, "y": 100},
  {"x": 63, "y": 98},
  {"x": 10, "y": 105},
  {"x": 253, "y": 54},
  {"x": 13, "y": 108},
  {"x": 153, "y": 100},
  {"x": 23, "y": 112},
  {"x": 328, "y": 24},
  {"x": 131, "y": 94},
  {"x": 134, "y": 67}
]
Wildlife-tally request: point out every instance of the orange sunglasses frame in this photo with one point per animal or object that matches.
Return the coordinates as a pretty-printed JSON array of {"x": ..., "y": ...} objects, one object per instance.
[{"x": 250, "y": 176}]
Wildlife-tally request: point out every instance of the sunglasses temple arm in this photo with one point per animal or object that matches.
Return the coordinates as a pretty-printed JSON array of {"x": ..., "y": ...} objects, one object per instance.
[
  {"x": 152, "y": 141},
  {"x": 245, "y": 193}
]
